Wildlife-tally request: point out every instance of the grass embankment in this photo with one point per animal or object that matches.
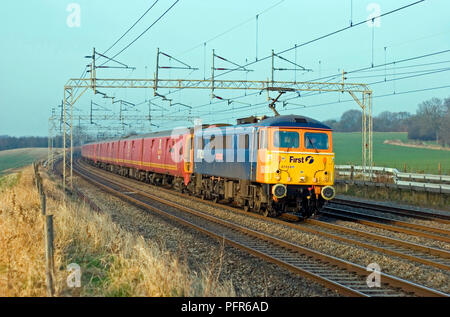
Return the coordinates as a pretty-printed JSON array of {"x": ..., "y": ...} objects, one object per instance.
[
  {"x": 347, "y": 147},
  {"x": 113, "y": 262},
  {"x": 13, "y": 159}
]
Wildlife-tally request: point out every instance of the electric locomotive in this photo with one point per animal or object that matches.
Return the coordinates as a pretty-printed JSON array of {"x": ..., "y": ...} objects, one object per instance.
[{"x": 270, "y": 166}]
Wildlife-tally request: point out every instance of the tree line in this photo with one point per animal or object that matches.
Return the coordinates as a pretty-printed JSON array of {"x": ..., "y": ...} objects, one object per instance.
[
  {"x": 11, "y": 142},
  {"x": 430, "y": 123}
]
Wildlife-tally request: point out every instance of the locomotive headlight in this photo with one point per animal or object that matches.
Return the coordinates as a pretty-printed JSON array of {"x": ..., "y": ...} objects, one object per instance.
[
  {"x": 328, "y": 192},
  {"x": 279, "y": 190}
]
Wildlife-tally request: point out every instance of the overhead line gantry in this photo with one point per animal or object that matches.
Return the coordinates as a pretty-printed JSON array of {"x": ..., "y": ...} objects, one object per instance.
[{"x": 361, "y": 93}]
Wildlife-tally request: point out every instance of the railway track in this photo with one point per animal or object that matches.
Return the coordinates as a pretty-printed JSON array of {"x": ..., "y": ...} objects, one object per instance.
[
  {"x": 387, "y": 223},
  {"x": 423, "y": 215},
  {"x": 411, "y": 251},
  {"x": 343, "y": 276}
]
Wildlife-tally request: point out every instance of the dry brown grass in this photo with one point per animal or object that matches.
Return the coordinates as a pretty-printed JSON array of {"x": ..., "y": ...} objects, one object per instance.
[{"x": 114, "y": 262}]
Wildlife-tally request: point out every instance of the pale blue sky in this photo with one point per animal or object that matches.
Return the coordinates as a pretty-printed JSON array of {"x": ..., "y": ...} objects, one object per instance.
[{"x": 40, "y": 52}]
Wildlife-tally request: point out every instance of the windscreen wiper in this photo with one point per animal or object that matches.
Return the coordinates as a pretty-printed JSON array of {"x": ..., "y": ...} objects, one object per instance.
[{"x": 317, "y": 151}]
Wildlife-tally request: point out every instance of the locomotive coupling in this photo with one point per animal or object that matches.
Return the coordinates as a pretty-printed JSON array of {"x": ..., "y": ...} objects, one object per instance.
[
  {"x": 328, "y": 192},
  {"x": 279, "y": 191}
]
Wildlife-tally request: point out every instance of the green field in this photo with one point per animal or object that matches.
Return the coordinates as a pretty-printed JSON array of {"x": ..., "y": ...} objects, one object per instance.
[
  {"x": 347, "y": 147},
  {"x": 12, "y": 159}
]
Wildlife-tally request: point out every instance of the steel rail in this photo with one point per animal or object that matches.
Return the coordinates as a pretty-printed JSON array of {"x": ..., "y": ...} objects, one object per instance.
[
  {"x": 407, "y": 250},
  {"x": 317, "y": 272},
  {"x": 398, "y": 222},
  {"x": 403, "y": 227},
  {"x": 394, "y": 210}
]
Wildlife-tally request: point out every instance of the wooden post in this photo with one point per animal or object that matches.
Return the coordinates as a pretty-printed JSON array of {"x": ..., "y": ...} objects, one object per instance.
[
  {"x": 49, "y": 263},
  {"x": 352, "y": 170},
  {"x": 48, "y": 236},
  {"x": 43, "y": 204},
  {"x": 439, "y": 168},
  {"x": 35, "y": 175},
  {"x": 404, "y": 167},
  {"x": 39, "y": 184}
]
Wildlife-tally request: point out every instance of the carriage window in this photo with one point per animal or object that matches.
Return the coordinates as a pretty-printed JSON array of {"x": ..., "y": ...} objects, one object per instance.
[
  {"x": 171, "y": 145},
  {"x": 228, "y": 142},
  {"x": 286, "y": 139},
  {"x": 243, "y": 141},
  {"x": 200, "y": 142},
  {"x": 219, "y": 142},
  {"x": 187, "y": 152},
  {"x": 317, "y": 141}
]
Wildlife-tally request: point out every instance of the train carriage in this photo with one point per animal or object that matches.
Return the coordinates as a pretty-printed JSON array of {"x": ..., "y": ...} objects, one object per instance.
[
  {"x": 270, "y": 166},
  {"x": 156, "y": 157}
]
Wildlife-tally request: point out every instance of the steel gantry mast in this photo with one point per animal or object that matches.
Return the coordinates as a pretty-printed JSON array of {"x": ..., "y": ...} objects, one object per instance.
[
  {"x": 361, "y": 93},
  {"x": 52, "y": 128}
]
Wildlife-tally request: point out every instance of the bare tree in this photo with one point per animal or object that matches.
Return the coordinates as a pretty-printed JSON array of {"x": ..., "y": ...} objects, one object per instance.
[
  {"x": 351, "y": 121},
  {"x": 431, "y": 114}
]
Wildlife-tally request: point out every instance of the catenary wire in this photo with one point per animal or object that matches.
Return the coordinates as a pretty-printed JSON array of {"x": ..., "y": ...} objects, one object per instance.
[{"x": 131, "y": 27}]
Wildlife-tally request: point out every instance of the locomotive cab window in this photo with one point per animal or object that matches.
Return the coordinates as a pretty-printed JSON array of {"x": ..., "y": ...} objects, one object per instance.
[
  {"x": 286, "y": 139},
  {"x": 318, "y": 141}
]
